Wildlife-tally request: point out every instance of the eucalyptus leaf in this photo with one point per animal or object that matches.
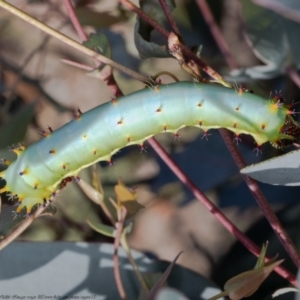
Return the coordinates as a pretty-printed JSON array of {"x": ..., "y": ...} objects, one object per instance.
[
  {"x": 162, "y": 280},
  {"x": 282, "y": 170},
  {"x": 14, "y": 131},
  {"x": 142, "y": 30},
  {"x": 274, "y": 40},
  {"x": 99, "y": 43},
  {"x": 289, "y": 9},
  {"x": 103, "y": 229}
]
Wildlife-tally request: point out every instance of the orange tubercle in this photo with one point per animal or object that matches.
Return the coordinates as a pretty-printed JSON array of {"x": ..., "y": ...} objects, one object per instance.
[{"x": 24, "y": 172}]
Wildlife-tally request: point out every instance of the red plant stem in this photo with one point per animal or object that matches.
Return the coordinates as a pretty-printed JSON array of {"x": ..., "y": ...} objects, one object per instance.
[
  {"x": 252, "y": 184},
  {"x": 77, "y": 65},
  {"x": 214, "y": 209},
  {"x": 186, "y": 51},
  {"x": 258, "y": 195},
  {"x": 120, "y": 224},
  {"x": 168, "y": 14},
  {"x": 262, "y": 202},
  {"x": 107, "y": 76},
  {"x": 71, "y": 13},
  {"x": 131, "y": 6},
  {"x": 119, "y": 230},
  {"x": 210, "y": 21}
]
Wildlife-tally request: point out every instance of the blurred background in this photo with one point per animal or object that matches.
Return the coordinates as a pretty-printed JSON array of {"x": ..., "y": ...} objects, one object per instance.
[{"x": 38, "y": 90}]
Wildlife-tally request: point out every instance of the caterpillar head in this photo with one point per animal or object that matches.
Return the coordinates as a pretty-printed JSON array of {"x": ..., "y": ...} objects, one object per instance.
[{"x": 290, "y": 132}]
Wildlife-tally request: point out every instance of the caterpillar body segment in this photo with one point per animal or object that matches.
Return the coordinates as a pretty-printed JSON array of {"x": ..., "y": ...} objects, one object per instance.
[{"x": 99, "y": 133}]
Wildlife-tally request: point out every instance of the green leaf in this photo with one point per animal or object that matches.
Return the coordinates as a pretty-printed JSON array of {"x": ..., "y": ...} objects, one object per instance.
[
  {"x": 103, "y": 229},
  {"x": 282, "y": 170},
  {"x": 14, "y": 131},
  {"x": 274, "y": 40},
  {"x": 261, "y": 259},
  {"x": 245, "y": 284},
  {"x": 99, "y": 43},
  {"x": 92, "y": 193},
  {"x": 142, "y": 30},
  {"x": 163, "y": 279}
]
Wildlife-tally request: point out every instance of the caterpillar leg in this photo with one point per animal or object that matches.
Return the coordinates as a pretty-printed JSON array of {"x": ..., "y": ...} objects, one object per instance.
[{"x": 28, "y": 203}]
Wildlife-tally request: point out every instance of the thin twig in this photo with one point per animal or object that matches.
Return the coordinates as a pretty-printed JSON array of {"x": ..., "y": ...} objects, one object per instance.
[
  {"x": 169, "y": 16},
  {"x": 21, "y": 228},
  {"x": 252, "y": 184},
  {"x": 186, "y": 51},
  {"x": 262, "y": 202},
  {"x": 215, "y": 30},
  {"x": 214, "y": 209},
  {"x": 78, "y": 65},
  {"x": 135, "y": 267},
  {"x": 107, "y": 76},
  {"x": 68, "y": 41},
  {"x": 258, "y": 195},
  {"x": 80, "y": 31},
  {"x": 106, "y": 73},
  {"x": 119, "y": 230},
  {"x": 72, "y": 15}
]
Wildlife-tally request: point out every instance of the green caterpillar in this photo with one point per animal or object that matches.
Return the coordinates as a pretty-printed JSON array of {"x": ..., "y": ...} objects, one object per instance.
[{"x": 96, "y": 135}]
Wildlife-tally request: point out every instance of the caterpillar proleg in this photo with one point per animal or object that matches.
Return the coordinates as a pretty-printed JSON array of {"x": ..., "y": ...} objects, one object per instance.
[{"x": 97, "y": 134}]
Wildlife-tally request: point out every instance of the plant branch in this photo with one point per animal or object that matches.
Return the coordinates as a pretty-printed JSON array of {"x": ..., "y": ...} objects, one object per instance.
[
  {"x": 252, "y": 184},
  {"x": 186, "y": 51},
  {"x": 169, "y": 16},
  {"x": 120, "y": 236},
  {"x": 78, "y": 65},
  {"x": 106, "y": 73},
  {"x": 262, "y": 202},
  {"x": 135, "y": 267},
  {"x": 215, "y": 30},
  {"x": 72, "y": 15},
  {"x": 119, "y": 230},
  {"x": 214, "y": 209}
]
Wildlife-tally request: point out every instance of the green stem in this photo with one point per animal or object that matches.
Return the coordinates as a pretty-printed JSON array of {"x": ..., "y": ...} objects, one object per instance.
[{"x": 126, "y": 247}]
